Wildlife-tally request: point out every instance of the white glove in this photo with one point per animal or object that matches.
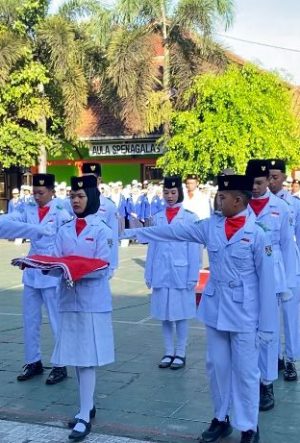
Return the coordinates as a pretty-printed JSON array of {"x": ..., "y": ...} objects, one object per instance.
[
  {"x": 287, "y": 295},
  {"x": 264, "y": 338},
  {"x": 191, "y": 285},
  {"x": 148, "y": 284}
]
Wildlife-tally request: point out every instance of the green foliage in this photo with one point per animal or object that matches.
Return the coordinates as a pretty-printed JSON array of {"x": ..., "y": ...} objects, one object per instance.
[
  {"x": 244, "y": 113},
  {"x": 149, "y": 46},
  {"x": 42, "y": 79}
]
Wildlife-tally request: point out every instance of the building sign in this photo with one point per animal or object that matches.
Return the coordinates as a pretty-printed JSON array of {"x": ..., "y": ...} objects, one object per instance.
[{"x": 125, "y": 147}]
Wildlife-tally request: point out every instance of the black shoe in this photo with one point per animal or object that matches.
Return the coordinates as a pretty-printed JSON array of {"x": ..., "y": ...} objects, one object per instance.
[
  {"x": 77, "y": 435},
  {"x": 281, "y": 364},
  {"x": 166, "y": 364},
  {"x": 290, "y": 373},
  {"x": 31, "y": 370},
  {"x": 178, "y": 365},
  {"x": 217, "y": 429},
  {"x": 250, "y": 437},
  {"x": 72, "y": 423},
  {"x": 56, "y": 375},
  {"x": 266, "y": 400}
]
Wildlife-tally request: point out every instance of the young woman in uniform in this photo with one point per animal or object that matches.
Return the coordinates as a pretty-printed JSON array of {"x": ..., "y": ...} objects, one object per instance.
[
  {"x": 172, "y": 272},
  {"x": 85, "y": 336}
]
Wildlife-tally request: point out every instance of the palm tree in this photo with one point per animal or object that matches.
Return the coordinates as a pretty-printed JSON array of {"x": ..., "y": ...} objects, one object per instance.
[
  {"x": 28, "y": 35},
  {"x": 141, "y": 85}
]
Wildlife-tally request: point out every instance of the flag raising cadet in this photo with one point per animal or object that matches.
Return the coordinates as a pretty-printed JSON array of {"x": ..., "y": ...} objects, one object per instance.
[{"x": 238, "y": 306}]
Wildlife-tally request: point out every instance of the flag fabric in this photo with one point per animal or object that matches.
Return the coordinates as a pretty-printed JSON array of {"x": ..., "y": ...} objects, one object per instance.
[{"x": 73, "y": 267}]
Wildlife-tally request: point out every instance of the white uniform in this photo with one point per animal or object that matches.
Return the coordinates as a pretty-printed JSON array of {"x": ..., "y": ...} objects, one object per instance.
[
  {"x": 38, "y": 288},
  {"x": 85, "y": 335},
  {"x": 109, "y": 214},
  {"x": 172, "y": 271},
  {"x": 290, "y": 308},
  {"x": 238, "y": 300},
  {"x": 199, "y": 203},
  {"x": 276, "y": 220}
]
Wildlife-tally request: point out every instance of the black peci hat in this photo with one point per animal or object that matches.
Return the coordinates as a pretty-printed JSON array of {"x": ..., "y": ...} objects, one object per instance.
[
  {"x": 257, "y": 168},
  {"x": 235, "y": 183},
  {"x": 86, "y": 181},
  {"x": 47, "y": 180},
  {"x": 173, "y": 181},
  {"x": 276, "y": 163},
  {"x": 192, "y": 177},
  {"x": 91, "y": 168}
]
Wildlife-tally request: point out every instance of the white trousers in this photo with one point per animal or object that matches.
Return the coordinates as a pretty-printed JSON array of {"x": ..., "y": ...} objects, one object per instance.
[
  {"x": 290, "y": 316},
  {"x": 232, "y": 367},
  {"x": 33, "y": 299},
  {"x": 268, "y": 355}
]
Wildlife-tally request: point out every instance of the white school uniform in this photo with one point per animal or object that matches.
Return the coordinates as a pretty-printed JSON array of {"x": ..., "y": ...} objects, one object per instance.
[
  {"x": 38, "y": 288},
  {"x": 237, "y": 301},
  {"x": 172, "y": 271},
  {"x": 85, "y": 335}
]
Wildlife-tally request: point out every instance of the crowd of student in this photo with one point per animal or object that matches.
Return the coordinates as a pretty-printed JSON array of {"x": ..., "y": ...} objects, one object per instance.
[{"x": 251, "y": 229}]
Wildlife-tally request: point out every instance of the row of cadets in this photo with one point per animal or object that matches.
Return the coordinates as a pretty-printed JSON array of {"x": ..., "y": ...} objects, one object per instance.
[
  {"x": 107, "y": 210},
  {"x": 39, "y": 289},
  {"x": 171, "y": 272},
  {"x": 85, "y": 335},
  {"x": 274, "y": 216},
  {"x": 290, "y": 309},
  {"x": 238, "y": 305}
]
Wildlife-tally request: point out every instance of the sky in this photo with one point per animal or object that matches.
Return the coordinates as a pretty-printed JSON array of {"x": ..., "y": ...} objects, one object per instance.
[{"x": 268, "y": 22}]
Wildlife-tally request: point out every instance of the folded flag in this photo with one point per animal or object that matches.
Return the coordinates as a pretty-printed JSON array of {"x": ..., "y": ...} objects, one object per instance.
[{"x": 73, "y": 267}]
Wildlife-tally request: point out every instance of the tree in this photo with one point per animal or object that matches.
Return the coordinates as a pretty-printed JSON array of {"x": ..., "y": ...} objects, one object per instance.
[
  {"x": 141, "y": 89},
  {"x": 43, "y": 84},
  {"x": 243, "y": 113}
]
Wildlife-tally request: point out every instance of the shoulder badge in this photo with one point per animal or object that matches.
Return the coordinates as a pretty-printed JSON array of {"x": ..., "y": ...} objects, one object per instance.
[
  {"x": 296, "y": 196},
  {"x": 59, "y": 207},
  {"x": 187, "y": 210}
]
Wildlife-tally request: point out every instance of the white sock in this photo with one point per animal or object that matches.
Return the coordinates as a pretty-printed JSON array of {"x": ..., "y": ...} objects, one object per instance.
[
  {"x": 167, "y": 329},
  {"x": 78, "y": 381},
  {"x": 87, "y": 377},
  {"x": 266, "y": 382},
  {"x": 182, "y": 336}
]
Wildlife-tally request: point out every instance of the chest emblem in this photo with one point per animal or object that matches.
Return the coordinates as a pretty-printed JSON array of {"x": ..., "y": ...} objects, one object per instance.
[{"x": 268, "y": 250}]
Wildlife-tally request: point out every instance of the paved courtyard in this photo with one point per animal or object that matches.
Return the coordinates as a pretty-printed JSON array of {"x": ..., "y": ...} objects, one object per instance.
[{"x": 134, "y": 399}]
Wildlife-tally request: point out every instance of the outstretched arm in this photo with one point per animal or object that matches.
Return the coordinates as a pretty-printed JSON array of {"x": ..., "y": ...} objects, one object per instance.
[{"x": 196, "y": 232}]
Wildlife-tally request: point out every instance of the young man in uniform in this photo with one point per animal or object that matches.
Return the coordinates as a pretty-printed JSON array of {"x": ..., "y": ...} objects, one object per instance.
[
  {"x": 273, "y": 215},
  {"x": 238, "y": 305},
  {"x": 108, "y": 211},
  {"x": 290, "y": 307},
  {"x": 38, "y": 288}
]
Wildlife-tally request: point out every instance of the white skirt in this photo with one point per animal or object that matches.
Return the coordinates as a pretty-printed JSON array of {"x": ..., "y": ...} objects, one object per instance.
[
  {"x": 173, "y": 304},
  {"x": 84, "y": 339}
]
